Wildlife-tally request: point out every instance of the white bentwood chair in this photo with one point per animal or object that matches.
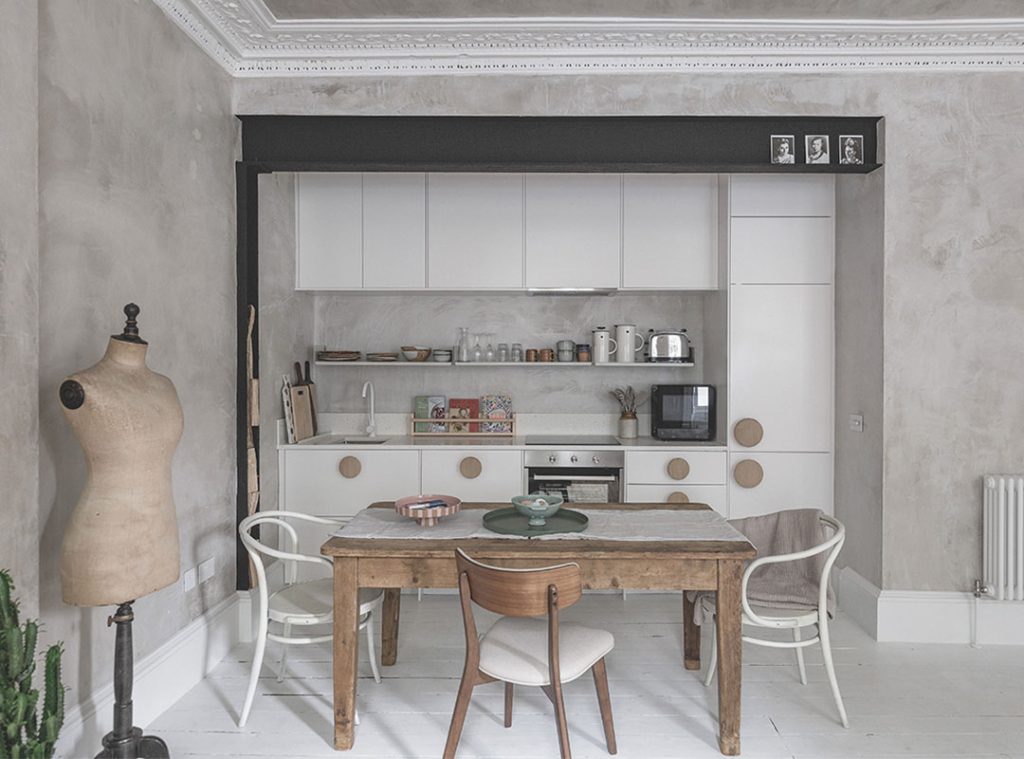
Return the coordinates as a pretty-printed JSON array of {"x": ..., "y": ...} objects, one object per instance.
[
  {"x": 306, "y": 603},
  {"x": 794, "y": 619}
]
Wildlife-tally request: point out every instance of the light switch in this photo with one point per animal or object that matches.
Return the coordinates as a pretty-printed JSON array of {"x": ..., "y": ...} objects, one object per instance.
[
  {"x": 206, "y": 569},
  {"x": 857, "y": 422},
  {"x": 188, "y": 579}
]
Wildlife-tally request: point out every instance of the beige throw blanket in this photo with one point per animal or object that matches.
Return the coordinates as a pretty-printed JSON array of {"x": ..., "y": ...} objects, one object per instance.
[{"x": 789, "y": 584}]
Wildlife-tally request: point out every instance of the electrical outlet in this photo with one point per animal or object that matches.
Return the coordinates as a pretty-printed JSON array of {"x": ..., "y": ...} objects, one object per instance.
[
  {"x": 207, "y": 568},
  {"x": 857, "y": 422},
  {"x": 188, "y": 579}
]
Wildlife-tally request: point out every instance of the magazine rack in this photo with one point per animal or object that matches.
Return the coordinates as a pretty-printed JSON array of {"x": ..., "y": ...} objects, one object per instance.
[{"x": 508, "y": 427}]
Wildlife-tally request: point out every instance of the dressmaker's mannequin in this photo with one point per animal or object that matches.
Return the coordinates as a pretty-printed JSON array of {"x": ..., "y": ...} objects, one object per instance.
[{"x": 122, "y": 541}]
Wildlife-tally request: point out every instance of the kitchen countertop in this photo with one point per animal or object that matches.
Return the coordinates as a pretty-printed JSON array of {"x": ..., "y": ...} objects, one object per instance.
[{"x": 407, "y": 442}]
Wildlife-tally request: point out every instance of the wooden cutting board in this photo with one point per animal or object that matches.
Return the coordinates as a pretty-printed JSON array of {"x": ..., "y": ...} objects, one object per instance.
[{"x": 302, "y": 411}]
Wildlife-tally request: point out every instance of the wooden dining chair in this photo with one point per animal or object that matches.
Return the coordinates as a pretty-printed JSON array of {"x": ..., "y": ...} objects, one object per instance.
[{"x": 518, "y": 650}]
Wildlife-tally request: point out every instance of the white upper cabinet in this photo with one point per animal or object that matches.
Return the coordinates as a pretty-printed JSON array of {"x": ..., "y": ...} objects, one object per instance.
[
  {"x": 670, "y": 231},
  {"x": 394, "y": 231},
  {"x": 475, "y": 231},
  {"x": 782, "y": 195},
  {"x": 785, "y": 250},
  {"x": 329, "y": 231},
  {"x": 573, "y": 230}
]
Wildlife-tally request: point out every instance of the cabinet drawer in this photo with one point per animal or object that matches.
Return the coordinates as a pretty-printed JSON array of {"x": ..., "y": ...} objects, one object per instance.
[
  {"x": 782, "y": 251},
  {"x": 474, "y": 475},
  {"x": 713, "y": 495},
  {"x": 698, "y": 467},
  {"x": 314, "y": 484},
  {"x": 787, "y": 481},
  {"x": 767, "y": 195}
]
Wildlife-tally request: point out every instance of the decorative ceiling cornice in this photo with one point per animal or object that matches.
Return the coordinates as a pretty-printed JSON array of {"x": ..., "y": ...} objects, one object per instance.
[{"x": 247, "y": 40}]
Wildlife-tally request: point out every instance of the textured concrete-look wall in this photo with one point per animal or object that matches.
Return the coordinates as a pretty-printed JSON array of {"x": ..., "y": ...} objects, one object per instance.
[
  {"x": 136, "y": 183},
  {"x": 19, "y": 301},
  {"x": 860, "y": 259},
  {"x": 953, "y": 256}
]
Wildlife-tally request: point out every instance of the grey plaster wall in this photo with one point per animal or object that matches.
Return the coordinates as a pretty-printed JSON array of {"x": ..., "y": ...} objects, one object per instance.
[
  {"x": 136, "y": 184},
  {"x": 860, "y": 259},
  {"x": 386, "y": 322},
  {"x": 19, "y": 301},
  {"x": 285, "y": 318},
  {"x": 953, "y": 312}
]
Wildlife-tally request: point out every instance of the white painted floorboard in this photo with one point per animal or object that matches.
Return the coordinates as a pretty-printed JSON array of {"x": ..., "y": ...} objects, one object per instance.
[{"x": 904, "y": 700}]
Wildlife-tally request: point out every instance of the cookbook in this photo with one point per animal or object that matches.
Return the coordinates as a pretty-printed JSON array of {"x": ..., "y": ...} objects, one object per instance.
[
  {"x": 430, "y": 407},
  {"x": 464, "y": 408},
  {"x": 497, "y": 406}
]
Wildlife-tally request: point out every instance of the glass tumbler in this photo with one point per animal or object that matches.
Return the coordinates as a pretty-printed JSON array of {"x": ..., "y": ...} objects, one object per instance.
[
  {"x": 502, "y": 352},
  {"x": 517, "y": 352}
]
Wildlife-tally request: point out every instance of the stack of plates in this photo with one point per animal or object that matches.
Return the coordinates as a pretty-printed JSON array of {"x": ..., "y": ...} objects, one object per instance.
[
  {"x": 381, "y": 356},
  {"x": 338, "y": 355}
]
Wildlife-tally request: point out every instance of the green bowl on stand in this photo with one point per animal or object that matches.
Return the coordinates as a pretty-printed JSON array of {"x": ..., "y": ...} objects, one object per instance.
[{"x": 537, "y": 507}]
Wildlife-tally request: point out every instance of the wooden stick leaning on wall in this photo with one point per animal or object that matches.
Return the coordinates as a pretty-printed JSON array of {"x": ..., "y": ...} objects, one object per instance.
[{"x": 253, "y": 408}]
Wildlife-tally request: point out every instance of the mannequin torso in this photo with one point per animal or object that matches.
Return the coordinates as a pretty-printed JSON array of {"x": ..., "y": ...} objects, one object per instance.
[{"x": 122, "y": 540}]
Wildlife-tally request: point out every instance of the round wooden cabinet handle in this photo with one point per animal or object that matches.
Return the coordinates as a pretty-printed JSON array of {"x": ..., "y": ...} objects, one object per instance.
[
  {"x": 470, "y": 467},
  {"x": 748, "y": 473},
  {"x": 678, "y": 468},
  {"x": 350, "y": 467},
  {"x": 748, "y": 432},
  {"x": 678, "y": 497}
]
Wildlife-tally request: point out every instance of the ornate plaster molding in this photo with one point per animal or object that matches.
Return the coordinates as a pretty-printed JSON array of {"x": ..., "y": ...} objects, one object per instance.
[{"x": 246, "y": 38}]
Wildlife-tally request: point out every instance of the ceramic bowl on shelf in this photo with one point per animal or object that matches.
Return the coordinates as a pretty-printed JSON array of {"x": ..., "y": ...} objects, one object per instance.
[
  {"x": 537, "y": 506},
  {"x": 415, "y": 353},
  {"x": 428, "y": 509},
  {"x": 440, "y": 354}
]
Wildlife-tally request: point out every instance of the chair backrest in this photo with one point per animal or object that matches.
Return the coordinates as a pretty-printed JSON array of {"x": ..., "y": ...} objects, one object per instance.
[
  {"x": 291, "y": 559},
  {"x": 519, "y": 592}
]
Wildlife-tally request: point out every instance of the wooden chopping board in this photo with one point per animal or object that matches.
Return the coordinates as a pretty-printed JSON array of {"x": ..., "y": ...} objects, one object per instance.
[{"x": 302, "y": 410}]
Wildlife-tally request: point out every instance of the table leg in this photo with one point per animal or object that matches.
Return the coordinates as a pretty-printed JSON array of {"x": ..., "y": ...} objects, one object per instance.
[
  {"x": 730, "y": 655},
  {"x": 346, "y": 650},
  {"x": 389, "y": 626},
  {"x": 691, "y": 636}
]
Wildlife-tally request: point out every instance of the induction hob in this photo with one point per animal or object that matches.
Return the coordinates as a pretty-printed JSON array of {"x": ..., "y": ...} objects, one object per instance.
[{"x": 575, "y": 441}]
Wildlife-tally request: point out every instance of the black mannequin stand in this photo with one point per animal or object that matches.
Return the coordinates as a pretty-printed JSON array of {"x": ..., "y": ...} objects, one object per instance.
[{"x": 126, "y": 741}]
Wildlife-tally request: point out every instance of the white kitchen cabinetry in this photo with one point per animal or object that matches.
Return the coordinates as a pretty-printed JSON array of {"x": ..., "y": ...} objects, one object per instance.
[
  {"x": 790, "y": 481},
  {"x": 478, "y": 475},
  {"x": 677, "y": 475},
  {"x": 314, "y": 482},
  {"x": 475, "y": 231},
  {"x": 781, "y": 342},
  {"x": 781, "y": 364},
  {"x": 669, "y": 232},
  {"x": 328, "y": 231},
  {"x": 573, "y": 224},
  {"x": 394, "y": 231}
]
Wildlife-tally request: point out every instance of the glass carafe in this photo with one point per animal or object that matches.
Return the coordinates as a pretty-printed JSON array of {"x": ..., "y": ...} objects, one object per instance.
[{"x": 462, "y": 345}]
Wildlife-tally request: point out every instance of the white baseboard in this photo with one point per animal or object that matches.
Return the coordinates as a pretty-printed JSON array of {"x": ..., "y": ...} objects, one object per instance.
[
  {"x": 913, "y": 616},
  {"x": 161, "y": 678}
]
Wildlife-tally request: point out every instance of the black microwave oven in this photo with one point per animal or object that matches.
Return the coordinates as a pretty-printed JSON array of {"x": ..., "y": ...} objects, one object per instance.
[{"x": 683, "y": 412}]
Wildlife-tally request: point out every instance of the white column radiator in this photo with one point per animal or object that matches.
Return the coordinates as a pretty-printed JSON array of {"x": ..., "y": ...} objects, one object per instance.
[{"x": 1003, "y": 537}]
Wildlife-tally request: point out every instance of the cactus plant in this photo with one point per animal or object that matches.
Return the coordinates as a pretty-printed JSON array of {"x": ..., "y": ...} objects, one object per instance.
[{"x": 23, "y": 733}]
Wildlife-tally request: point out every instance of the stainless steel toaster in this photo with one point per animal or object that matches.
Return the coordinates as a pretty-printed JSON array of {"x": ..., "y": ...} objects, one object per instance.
[{"x": 668, "y": 346}]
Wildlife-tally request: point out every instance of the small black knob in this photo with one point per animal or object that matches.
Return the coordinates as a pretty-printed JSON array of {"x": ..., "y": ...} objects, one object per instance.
[
  {"x": 131, "y": 327},
  {"x": 72, "y": 394}
]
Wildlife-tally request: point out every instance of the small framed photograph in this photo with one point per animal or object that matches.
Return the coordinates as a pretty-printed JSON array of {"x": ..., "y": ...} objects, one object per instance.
[
  {"x": 851, "y": 148},
  {"x": 816, "y": 148},
  {"x": 782, "y": 148}
]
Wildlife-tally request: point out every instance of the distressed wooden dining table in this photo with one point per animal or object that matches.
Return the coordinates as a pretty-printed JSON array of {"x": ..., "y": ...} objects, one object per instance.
[{"x": 394, "y": 564}]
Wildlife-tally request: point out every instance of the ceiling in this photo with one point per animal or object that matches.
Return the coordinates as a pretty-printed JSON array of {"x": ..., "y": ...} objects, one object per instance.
[{"x": 260, "y": 38}]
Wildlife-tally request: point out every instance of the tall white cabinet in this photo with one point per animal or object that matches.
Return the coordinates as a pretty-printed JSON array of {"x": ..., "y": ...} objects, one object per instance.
[{"x": 781, "y": 343}]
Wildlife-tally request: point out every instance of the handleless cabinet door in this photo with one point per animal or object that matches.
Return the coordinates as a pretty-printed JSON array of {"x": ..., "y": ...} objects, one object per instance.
[
  {"x": 778, "y": 195},
  {"x": 672, "y": 466},
  {"x": 789, "y": 481},
  {"x": 670, "y": 231},
  {"x": 784, "y": 250},
  {"x": 328, "y": 231},
  {"x": 781, "y": 364},
  {"x": 314, "y": 483},
  {"x": 478, "y": 475},
  {"x": 474, "y": 231},
  {"x": 394, "y": 231},
  {"x": 573, "y": 224}
]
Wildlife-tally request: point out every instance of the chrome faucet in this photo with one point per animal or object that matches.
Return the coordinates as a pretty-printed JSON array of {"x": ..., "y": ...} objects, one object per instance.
[{"x": 371, "y": 427}]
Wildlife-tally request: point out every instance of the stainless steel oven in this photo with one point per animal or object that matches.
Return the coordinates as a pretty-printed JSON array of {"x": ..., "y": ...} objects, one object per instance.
[{"x": 579, "y": 476}]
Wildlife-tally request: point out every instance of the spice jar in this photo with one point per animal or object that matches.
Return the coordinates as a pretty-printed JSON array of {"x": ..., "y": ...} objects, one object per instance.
[
  {"x": 531, "y": 355},
  {"x": 547, "y": 355},
  {"x": 583, "y": 353}
]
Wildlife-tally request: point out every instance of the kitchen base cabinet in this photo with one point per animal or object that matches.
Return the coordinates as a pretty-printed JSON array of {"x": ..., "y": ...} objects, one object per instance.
[
  {"x": 340, "y": 483},
  {"x": 714, "y": 496},
  {"x": 675, "y": 467},
  {"x": 787, "y": 481},
  {"x": 474, "y": 475}
]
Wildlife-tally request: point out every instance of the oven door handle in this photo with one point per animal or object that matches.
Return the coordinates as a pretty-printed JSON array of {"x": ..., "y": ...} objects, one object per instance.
[{"x": 574, "y": 477}]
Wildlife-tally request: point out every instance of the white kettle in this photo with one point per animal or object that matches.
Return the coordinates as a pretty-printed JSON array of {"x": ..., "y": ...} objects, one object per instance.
[
  {"x": 626, "y": 338},
  {"x": 603, "y": 345}
]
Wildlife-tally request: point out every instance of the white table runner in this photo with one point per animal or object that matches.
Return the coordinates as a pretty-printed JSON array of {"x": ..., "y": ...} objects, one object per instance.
[{"x": 605, "y": 524}]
